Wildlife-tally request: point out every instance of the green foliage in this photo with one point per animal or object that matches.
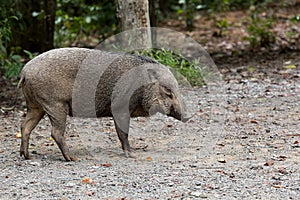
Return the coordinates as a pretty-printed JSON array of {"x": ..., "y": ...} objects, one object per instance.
[
  {"x": 259, "y": 32},
  {"x": 10, "y": 61},
  {"x": 8, "y": 18},
  {"x": 77, "y": 21},
  {"x": 178, "y": 62},
  {"x": 295, "y": 19},
  {"x": 224, "y": 5},
  {"x": 222, "y": 25},
  {"x": 190, "y": 7}
]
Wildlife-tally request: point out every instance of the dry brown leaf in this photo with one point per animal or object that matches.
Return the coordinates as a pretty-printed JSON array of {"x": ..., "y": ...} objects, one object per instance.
[
  {"x": 18, "y": 135},
  {"x": 269, "y": 163},
  {"x": 149, "y": 159},
  {"x": 282, "y": 170},
  {"x": 221, "y": 160},
  {"x": 106, "y": 165},
  {"x": 87, "y": 180},
  {"x": 253, "y": 121},
  {"x": 276, "y": 186},
  {"x": 282, "y": 158}
]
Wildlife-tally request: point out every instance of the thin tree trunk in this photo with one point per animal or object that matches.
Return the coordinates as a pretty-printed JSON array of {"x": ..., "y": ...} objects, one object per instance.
[
  {"x": 189, "y": 14},
  {"x": 134, "y": 14},
  {"x": 38, "y": 33},
  {"x": 153, "y": 6}
]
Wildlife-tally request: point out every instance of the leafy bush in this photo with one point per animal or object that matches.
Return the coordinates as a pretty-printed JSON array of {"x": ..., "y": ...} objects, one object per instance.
[
  {"x": 10, "y": 61},
  {"x": 77, "y": 21},
  {"x": 222, "y": 25},
  {"x": 224, "y": 5},
  {"x": 179, "y": 63},
  {"x": 259, "y": 31}
]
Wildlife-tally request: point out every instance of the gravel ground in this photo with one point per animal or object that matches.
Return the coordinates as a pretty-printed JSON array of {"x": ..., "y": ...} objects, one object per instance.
[{"x": 252, "y": 154}]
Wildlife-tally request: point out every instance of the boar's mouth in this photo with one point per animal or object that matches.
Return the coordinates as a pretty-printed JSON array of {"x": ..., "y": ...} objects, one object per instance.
[{"x": 178, "y": 115}]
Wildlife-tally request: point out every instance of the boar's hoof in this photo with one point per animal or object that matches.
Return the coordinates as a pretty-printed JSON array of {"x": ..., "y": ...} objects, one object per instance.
[
  {"x": 25, "y": 154},
  {"x": 71, "y": 158},
  {"x": 128, "y": 154}
]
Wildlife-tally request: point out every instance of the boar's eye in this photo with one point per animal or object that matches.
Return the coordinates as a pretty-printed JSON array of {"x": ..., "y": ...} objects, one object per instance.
[
  {"x": 168, "y": 92},
  {"x": 170, "y": 95}
]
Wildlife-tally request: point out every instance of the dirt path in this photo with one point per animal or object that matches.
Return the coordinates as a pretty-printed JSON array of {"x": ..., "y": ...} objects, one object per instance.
[{"x": 255, "y": 155}]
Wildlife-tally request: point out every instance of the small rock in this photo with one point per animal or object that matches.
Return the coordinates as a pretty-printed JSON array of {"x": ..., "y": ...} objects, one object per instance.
[
  {"x": 35, "y": 163},
  {"x": 198, "y": 194},
  {"x": 70, "y": 184},
  {"x": 198, "y": 183}
]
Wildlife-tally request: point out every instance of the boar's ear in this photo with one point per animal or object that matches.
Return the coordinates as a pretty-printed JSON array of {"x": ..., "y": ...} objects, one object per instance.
[{"x": 153, "y": 75}]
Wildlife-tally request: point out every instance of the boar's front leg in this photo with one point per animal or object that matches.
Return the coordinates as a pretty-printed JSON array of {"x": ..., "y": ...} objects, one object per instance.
[
  {"x": 58, "y": 121},
  {"x": 123, "y": 137}
]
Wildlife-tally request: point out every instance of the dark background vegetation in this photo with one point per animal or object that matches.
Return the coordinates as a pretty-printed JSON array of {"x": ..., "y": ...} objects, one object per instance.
[{"x": 223, "y": 27}]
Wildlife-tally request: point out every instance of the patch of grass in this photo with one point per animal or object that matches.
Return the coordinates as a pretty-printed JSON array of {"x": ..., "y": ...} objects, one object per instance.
[
  {"x": 259, "y": 29},
  {"x": 259, "y": 32},
  {"x": 177, "y": 62}
]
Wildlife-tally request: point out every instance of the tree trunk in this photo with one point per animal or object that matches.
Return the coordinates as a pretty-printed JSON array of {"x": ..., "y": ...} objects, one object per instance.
[
  {"x": 189, "y": 11},
  {"x": 38, "y": 31},
  {"x": 134, "y": 14},
  {"x": 153, "y": 7}
]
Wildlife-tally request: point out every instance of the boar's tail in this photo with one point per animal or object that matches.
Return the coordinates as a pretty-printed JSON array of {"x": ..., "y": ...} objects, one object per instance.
[
  {"x": 22, "y": 79},
  {"x": 13, "y": 104}
]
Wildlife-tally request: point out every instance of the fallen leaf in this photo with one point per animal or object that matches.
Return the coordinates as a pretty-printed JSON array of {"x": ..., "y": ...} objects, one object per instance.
[
  {"x": 149, "y": 159},
  {"x": 289, "y": 67},
  {"x": 220, "y": 171},
  {"x": 296, "y": 142},
  {"x": 282, "y": 170},
  {"x": 221, "y": 160},
  {"x": 87, "y": 180},
  {"x": 276, "y": 186},
  {"x": 269, "y": 163},
  {"x": 251, "y": 69},
  {"x": 282, "y": 158},
  {"x": 253, "y": 121},
  {"x": 106, "y": 165},
  {"x": 18, "y": 135},
  {"x": 90, "y": 193},
  {"x": 293, "y": 135}
]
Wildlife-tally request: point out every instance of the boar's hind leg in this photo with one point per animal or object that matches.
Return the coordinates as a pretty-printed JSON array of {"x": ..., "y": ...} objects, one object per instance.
[
  {"x": 123, "y": 137},
  {"x": 58, "y": 122},
  {"x": 33, "y": 116}
]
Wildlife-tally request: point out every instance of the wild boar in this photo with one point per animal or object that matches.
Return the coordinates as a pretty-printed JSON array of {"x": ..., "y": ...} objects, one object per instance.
[{"x": 92, "y": 83}]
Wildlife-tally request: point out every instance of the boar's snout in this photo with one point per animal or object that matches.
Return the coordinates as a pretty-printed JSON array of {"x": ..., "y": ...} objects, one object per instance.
[{"x": 178, "y": 112}]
